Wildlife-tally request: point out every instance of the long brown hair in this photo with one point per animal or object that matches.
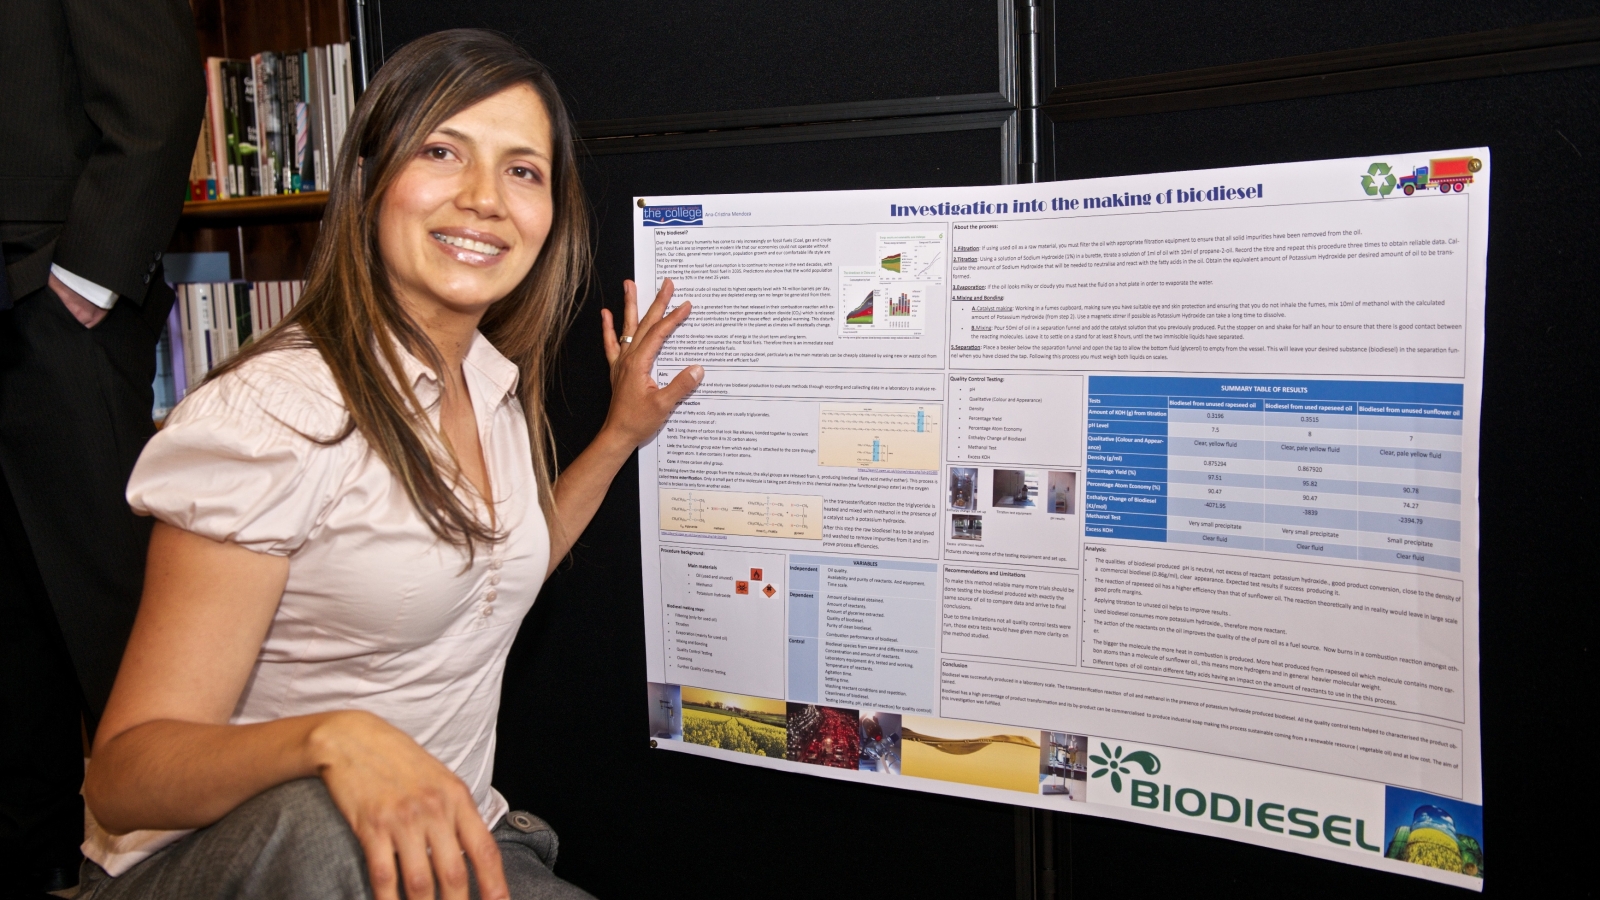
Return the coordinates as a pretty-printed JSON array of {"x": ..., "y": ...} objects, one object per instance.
[{"x": 350, "y": 313}]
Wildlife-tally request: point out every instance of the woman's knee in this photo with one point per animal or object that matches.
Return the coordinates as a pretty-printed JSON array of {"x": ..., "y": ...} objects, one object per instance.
[
  {"x": 287, "y": 842},
  {"x": 301, "y": 842},
  {"x": 303, "y": 808}
]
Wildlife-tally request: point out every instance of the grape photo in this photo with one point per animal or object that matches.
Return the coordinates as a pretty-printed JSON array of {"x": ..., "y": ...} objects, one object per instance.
[{"x": 824, "y": 736}]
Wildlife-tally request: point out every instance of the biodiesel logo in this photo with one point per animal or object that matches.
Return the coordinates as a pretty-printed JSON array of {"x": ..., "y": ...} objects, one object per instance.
[
  {"x": 1379, "y": 180},
  {"x": 1302, "y": 820},
  {"x": 1116, "y": 765}
]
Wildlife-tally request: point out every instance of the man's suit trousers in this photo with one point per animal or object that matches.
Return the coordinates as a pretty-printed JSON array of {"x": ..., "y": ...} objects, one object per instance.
[{"x": 74, "y": 415}]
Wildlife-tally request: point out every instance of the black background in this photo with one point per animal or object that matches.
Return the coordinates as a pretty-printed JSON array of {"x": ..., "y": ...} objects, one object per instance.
[
  {"x": 572, "y": 745},
  {"x": 628, "y": 58},
  {"x": 1123, "y": 38}
]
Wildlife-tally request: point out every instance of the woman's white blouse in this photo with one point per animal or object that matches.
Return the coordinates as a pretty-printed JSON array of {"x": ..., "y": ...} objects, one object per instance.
[{"x": 378, "y": 614}]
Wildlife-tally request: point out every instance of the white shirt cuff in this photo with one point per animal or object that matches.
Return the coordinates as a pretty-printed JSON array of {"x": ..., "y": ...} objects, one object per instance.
[{"x": 103, "y": 297}]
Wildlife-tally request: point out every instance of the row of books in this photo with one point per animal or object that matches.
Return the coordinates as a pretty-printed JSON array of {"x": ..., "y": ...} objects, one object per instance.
[
  {"x": 273, "y": 124},
  {"x": 209, "y": 323}
]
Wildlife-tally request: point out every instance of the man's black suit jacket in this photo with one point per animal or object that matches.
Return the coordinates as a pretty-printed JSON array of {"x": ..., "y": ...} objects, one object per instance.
[{"x": 100, "y": 107}]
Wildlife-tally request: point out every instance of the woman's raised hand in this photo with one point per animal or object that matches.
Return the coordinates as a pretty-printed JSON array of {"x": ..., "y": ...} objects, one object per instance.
[
  {"x": 406, "y": 806},
  {"x": 639, "y": 407}
]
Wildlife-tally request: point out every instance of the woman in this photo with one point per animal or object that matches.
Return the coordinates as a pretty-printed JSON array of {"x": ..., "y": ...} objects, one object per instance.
[{"x": 356, "y": 513}]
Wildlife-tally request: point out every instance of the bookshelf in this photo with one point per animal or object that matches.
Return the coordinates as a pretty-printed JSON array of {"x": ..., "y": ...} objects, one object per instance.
[
  {"x": 285, "y": 208},
  {"x": 266, "y": 238}
]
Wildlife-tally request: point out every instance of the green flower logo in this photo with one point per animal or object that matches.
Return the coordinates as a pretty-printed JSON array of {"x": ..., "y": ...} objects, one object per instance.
[
  {"x": 1116, "y": 764},
  {"x": 1379, "y": 181}
]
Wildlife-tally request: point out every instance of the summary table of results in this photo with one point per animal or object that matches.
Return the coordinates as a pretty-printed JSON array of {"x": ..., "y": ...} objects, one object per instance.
[{"x": 1367, "y": 470}]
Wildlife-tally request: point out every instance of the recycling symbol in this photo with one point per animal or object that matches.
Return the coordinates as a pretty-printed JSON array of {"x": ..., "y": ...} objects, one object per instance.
[{"x": 1379, "y": 181}]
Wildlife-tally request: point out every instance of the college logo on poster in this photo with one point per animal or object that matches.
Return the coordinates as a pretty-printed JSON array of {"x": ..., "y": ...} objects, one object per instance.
[{"x": 674, "y": 215}]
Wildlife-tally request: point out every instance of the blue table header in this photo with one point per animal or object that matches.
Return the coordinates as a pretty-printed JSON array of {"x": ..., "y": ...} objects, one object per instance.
[{"x": 1385, "y": 397}]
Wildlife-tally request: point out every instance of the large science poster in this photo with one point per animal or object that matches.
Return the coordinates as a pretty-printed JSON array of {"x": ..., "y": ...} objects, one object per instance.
[{"x": 1152, "y": 498}]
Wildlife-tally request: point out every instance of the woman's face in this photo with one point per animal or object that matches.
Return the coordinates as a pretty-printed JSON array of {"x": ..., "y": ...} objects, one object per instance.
[{"x": 464, "y": 222}]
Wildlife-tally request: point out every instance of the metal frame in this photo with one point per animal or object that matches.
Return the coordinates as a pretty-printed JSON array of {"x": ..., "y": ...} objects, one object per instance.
[
  {"x": 1036, "y": 42},
  {"x": 1003, "y": 121},
  {"x": 779, "y": 116},
  {"x": 1011, "y": 167},
  {"x": 366, "y": 40}
]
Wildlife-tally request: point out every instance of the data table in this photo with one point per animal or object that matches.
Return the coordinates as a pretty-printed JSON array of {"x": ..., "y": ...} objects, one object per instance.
[{"x": 1366, "y": 470}]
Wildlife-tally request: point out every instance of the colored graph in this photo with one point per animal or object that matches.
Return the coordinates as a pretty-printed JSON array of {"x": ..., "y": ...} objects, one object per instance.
[
  {"x": 911, "y": 256},
  {"x": 901, "y": 305},
  {"x": 861, "y": 315}
]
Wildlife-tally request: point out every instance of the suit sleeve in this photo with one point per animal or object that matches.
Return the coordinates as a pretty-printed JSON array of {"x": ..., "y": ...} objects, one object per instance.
[{"x": 138, "y": 64}]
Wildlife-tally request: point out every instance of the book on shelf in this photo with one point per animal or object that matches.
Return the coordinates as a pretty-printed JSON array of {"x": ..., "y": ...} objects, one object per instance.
[
  {"x": 170, "y": 382},
  {"x": 208, "y": 325},
  {"x": 264, "y": 78},
  {"x": 246, "y": 141},
  {"x": 202, "y": 170},
  {"x": 273, "y": 123},
  {"x": 215, "y": 128}
]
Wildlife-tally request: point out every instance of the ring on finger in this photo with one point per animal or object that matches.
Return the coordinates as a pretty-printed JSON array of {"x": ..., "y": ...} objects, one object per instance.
[{"x": 627, "y": 339}]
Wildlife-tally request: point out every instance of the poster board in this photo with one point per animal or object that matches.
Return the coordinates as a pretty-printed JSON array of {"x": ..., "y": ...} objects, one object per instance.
[{"x": 1002, "y": 493}]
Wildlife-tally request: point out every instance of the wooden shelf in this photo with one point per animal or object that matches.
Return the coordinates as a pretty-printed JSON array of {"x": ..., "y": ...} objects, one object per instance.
[{"x": 305, "y": 207}]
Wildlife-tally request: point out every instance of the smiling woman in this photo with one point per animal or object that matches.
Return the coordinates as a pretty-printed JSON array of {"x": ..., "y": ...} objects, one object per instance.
[
  {"x": 461, "y": 227},
  {"x": 355, "y": 514}
]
